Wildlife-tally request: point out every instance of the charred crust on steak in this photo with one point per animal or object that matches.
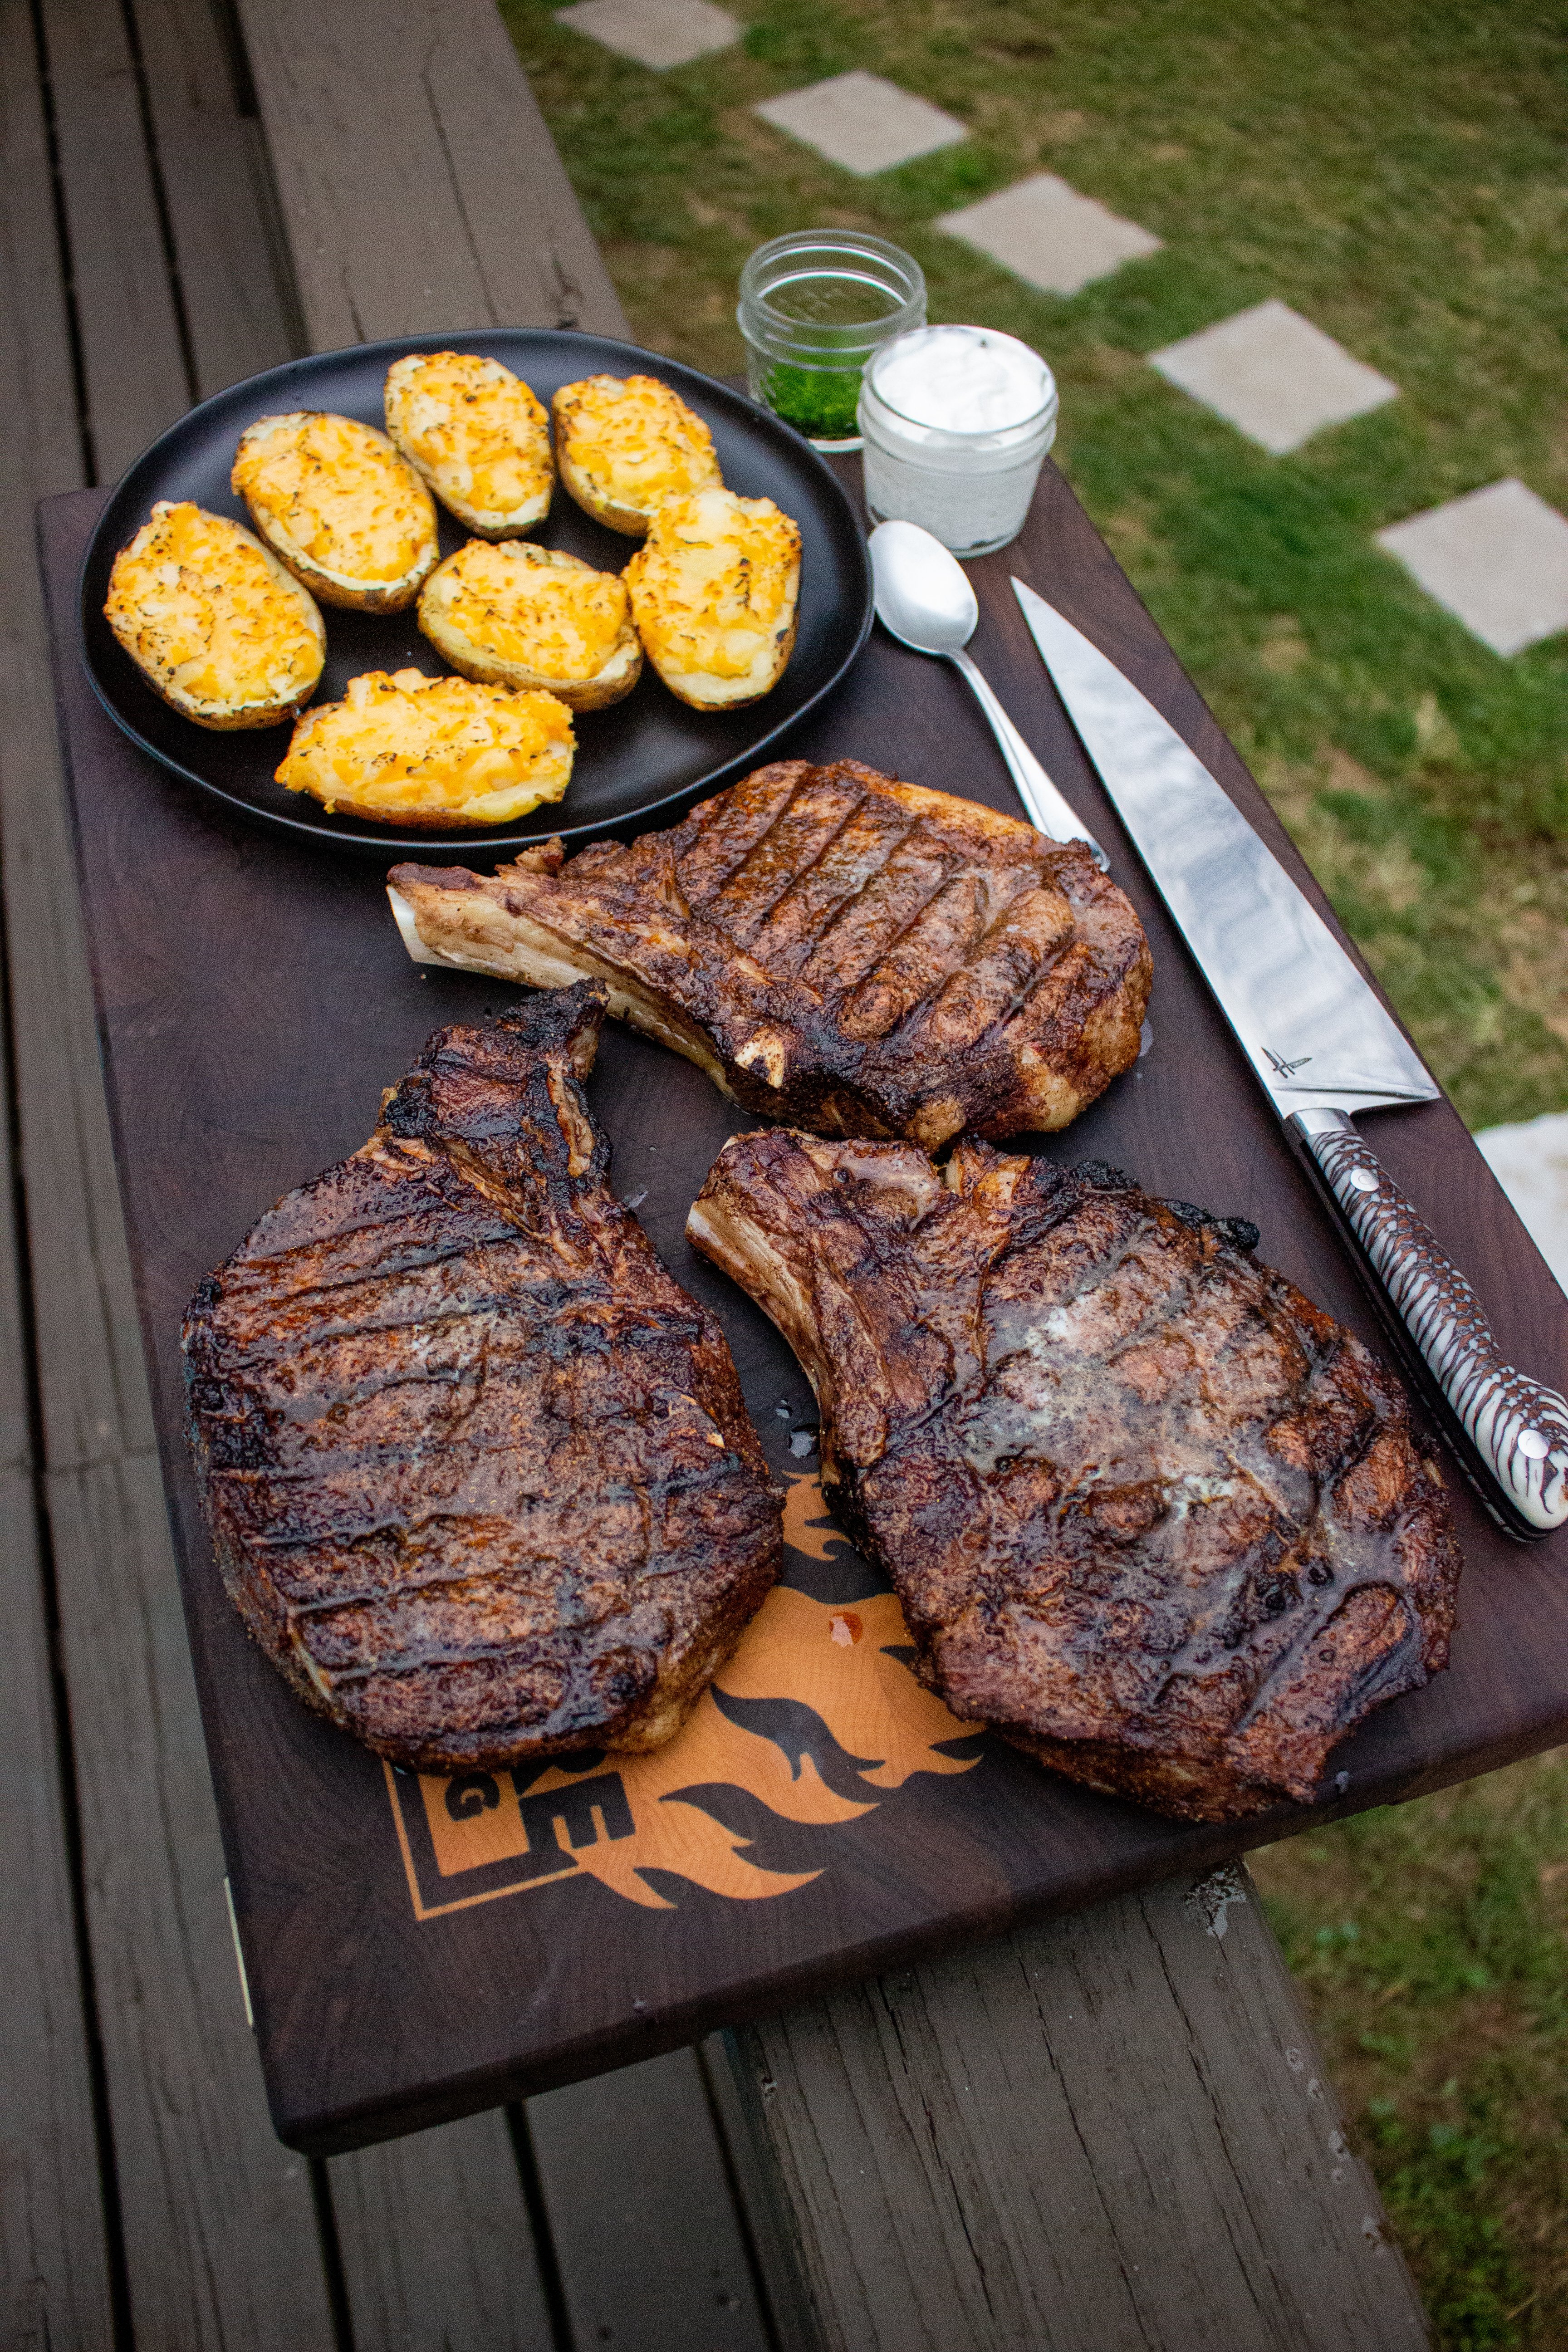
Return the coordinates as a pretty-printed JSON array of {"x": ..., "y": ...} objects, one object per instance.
[
  {"x": 1240, "y": 1231},
  {"x": 1151, "y": 1513},
  {"x": 860, "y": 956},
  {"x": 479, "y": 1475}
]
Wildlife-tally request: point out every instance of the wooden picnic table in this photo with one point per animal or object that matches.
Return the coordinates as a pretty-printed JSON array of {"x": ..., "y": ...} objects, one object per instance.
[{"x": 1112, "y": 2130}]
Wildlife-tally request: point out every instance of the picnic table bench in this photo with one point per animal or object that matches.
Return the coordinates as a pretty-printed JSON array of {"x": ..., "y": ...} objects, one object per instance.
[{"x": 1107, "y": 2130}]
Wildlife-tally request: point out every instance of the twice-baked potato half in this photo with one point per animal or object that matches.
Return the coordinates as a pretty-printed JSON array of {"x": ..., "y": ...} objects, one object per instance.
[
  {"x": 336, "y": 503},
  {"x": 213, "y": 622},
  {"x": 475, "y": 433},
  {"x": 405, "y": 748},
  {"x": 623, "y": 443},
  {"x": 533, "y": 616},
  {"x": 715, "y": 588}
]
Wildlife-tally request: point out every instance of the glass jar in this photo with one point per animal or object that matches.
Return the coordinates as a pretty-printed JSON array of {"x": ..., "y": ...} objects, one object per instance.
[
  {"x": 956, "y": 423},
  {"x": 814, "y": 306}
]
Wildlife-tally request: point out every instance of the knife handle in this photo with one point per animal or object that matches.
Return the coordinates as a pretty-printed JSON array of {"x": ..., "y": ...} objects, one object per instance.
[
  {"x": 1510, "y": 1433},
  {"x": 1049, "y": 811}
]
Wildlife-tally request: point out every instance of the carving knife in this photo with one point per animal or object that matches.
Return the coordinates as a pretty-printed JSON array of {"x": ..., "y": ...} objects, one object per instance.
[{"x": 1323, "y": 1050}]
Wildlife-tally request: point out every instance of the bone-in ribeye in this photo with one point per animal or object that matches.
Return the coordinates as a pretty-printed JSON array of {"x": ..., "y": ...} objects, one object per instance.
[
  {"x": 478, "y": 1471},
  {"x": 1149, "y": 1511},
  {"x": 856, "y": 955}
]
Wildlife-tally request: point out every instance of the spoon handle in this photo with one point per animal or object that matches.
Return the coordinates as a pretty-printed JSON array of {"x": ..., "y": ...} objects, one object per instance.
[{"x": 1048, "y": 811}]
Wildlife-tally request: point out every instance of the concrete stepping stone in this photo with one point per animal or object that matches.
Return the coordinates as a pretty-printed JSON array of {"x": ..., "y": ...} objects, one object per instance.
[
  {"x": 1273, "y": 375},
  {"x": 1497, "y": 558},
  {"x": 1045, "y": 232},
  {"x": 861, "y": 122},
  {"x": 654, "y": 33},
  {"x": 1530, "y": 1161}
]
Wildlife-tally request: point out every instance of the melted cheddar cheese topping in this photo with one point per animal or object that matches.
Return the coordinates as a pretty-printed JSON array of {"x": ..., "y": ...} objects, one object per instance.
[
  {"x": 475, "y": 428},
  {"x": 337, "y": 491},
  {"x": 209, "y": 614},
  {"x": 715, "y": 585},
  {"x": 432, "y": 748},
  {"x": 547, "y": 611},
  {"x": 635, "y": 439}
]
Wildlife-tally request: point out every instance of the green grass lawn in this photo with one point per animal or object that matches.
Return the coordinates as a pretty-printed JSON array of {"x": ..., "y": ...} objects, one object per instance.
[
  {"x": 1393, "y": 169},
  {"x": 1431, "y": 1942}
]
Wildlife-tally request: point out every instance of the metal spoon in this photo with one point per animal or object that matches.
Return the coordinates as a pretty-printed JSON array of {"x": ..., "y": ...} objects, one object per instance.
[{"x": 924, "y": 600}]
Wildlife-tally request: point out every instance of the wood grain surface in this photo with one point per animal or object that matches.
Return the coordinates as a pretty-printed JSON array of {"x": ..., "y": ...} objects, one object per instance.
[
  {"x": 1110, "y": 2131},
  {"x": 134, "y": 366},
  {"x": 55, "y": 2260},
  {"x": 212, "y": 2228},
  {"x": 236, "y": 284},
  {"x": 631, "y": 2172},
  {"x": 253, "y": 1001},
  {"x": 420, "y": 188},
  {"x": 437, "y": 2252}
]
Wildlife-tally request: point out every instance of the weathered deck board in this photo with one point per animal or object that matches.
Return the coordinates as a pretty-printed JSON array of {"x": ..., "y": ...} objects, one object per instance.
[
  {"x": 436, "y": 2251},
  {"x": 55, "y": 2281},
  {"x": 420, "y": 188},
  {"x": 235, "y": 279},
  {"x": 134, "y": 363},
  {"x": 221, "y": 2242},
  {"x": 54, "y": 2265},
  {"x": 221, "y": 2239},
  {"x": 93, "y": 1386},
  {"x": 1112, "y": 2131},
  {"x": 641, "y": 2214}
]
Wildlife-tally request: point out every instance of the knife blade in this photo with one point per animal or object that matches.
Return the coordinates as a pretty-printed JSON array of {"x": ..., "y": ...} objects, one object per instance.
[{"x": 1324, "y": 1049}]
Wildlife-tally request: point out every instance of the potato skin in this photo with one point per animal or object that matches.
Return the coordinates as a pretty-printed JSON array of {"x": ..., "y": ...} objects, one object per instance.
[
  {"x": 697, "y": 701},
  {"x": 596, "y": 695},
  {"x": 217, "y": 718},
  {"x": 709, "y": 518},
  {"x": 611, "y": 683},
  {"x": 405, "y": 741},
  {"x": 231, "y": 723},
  {"x": 601, "y": 394},
  {"x": 403, "y": 382},
  {"x": 629, "y": 520},
  {"x": 327, "y": 586}
]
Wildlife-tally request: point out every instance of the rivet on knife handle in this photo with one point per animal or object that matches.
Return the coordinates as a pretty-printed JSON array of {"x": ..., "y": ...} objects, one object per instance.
[{"x": 1515, "y": 1430}]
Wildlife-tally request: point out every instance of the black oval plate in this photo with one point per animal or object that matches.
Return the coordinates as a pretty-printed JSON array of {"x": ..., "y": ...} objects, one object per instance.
[{"x": 637, "y": 757}]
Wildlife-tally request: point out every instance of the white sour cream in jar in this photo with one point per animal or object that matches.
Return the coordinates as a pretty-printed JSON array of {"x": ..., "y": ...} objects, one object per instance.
[
  {"x": 963, "y": 380},
  {"x": 956, "y": 423}
]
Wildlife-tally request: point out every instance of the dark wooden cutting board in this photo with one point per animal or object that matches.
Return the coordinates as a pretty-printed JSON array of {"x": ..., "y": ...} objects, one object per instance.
[{"x": 417, "y": 1951}]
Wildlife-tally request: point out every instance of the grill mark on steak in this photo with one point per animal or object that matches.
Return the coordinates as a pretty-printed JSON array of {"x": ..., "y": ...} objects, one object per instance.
[
  {"x": 1150, "y": 1512},
  {"x": 816, "y": 901},
  {"x": 796, "y": 844},
  {"x": 479, "y": 1475},
  {"x": 858, "y": 955}
]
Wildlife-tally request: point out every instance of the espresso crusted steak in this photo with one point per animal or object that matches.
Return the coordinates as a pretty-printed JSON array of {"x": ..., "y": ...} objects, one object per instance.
[
  {"x": 859, "y": 956},
  {"x": 1149, "y": 1511},
  {"x": 477, "y": 1472}
]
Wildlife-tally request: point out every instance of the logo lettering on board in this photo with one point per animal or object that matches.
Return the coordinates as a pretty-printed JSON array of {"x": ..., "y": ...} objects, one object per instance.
[{"x": 816, "y": 1718}]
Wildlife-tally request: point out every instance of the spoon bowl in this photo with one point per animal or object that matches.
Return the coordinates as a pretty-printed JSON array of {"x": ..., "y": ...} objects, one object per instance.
[
  {"x": 923, "y": 598},
  {"x": 922, "y": 593}
]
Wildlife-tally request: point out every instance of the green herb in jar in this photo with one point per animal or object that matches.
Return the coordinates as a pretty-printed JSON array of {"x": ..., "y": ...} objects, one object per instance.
[
  {"x": 818, "y": 401},
  {"x": 813, "y": 306}
]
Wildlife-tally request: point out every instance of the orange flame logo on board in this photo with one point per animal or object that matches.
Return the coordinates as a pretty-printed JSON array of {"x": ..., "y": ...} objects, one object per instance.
[{"x": 851, "y": 1706}]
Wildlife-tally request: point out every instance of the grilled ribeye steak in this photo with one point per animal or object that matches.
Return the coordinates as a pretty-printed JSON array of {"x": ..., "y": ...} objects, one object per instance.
[
  {"x": 476, "y": 1468},
  {"x": 859, "y": 956},
  {"x": 1149, "y": 1511}
]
